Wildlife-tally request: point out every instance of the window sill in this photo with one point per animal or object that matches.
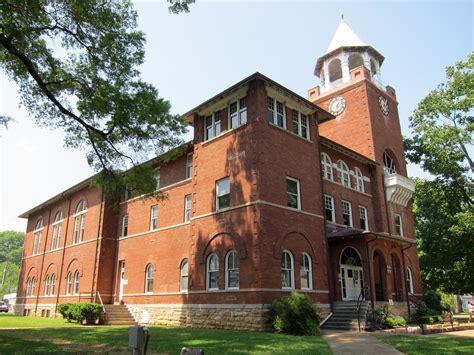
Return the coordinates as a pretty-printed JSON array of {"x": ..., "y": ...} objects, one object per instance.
[{"x": 308, "y": 140}]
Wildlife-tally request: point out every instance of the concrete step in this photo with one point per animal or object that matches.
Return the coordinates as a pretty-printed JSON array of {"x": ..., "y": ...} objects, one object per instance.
[{"x": 118, "y": 315}]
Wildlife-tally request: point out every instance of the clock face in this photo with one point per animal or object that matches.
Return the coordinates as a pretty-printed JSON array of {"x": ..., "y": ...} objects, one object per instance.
[
  {"x": 337, "y": 105},
  {"x": 383, "y": 103}
]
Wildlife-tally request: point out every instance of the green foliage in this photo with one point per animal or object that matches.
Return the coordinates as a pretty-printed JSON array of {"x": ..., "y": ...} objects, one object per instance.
[
  {"x": 11, "y": 247},
  {"x": 178, "y": 6},
  {"x": 381, "y": 318},
  {"x": 77, "y": 66},
  {"x": 296, "y": 314},
  {"x": 392, "y": 322},
  {"x": 79, "y": 312},
  {"x": 432, "y": 300}
]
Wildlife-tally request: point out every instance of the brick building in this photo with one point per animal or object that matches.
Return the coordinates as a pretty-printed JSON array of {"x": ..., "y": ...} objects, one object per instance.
[{"x": 275, "y": 193}]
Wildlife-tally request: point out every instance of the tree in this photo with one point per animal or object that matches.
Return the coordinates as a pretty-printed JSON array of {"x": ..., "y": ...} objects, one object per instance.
[
  {"x": 11, "y": 247},
  {"x": 90, "y": 86},
  {"x": 443, "y": 125}
]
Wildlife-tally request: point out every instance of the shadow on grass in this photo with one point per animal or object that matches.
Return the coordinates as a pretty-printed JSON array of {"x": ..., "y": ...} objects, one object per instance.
[{"x": 421, "y": 344}]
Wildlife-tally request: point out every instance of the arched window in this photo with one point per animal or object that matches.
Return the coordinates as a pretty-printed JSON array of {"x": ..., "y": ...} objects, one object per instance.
[
  {"x": 57, "y": 226},
  {"x": 212, "y": 272},
  {"x": 184, "y": 276},
  {"x": 76, "y": 283},
  {"x": 33, "y": 285},
  {"x": 79, "y": 222},
  {"x": 326, "y": 166},
  {"x": 355, "y": 60},
  {"x": 28, "y": 287},
  {"x": 343, "y": 176},
  {"x": 410, "y": 281},
  {"x": 373, "y": 68},
  {"x": 359, "y": 180},
  {"x": 306, "y": 275},
  {"x": 37, "y": 233},
  {"x": 46, "y": 285},
  {"x": 149, "y": 278},
  {"x": 69, "y": 283},
  {"x": 350, "y": 257},
  {"x": 335, "y": 70},
  {"x": 53, "y": 284},
  {"x": 389, "y": 164},
  {"x": 287, "y": 270},
  {"x": 232, "y": 274}
]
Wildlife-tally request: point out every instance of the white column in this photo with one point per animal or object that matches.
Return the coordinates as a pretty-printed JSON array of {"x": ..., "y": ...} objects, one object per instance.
[
  {"x": 326, "y": 76},
  {"x": 366, "y": 58},
  {"x": 346, "y": 75}
]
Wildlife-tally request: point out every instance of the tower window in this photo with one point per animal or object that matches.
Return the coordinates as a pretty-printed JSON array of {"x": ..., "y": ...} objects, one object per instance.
[
  {"x": 343, "y": 176},
  {"x": 300, "y": 124},
  {"x": 329, "y": 208},
  {"x": 212, "y": 125},
  {"x": 154, "y": 217},
  {"x": 189, "y": 165},
  {"x": 346, "y": 213},
  {"x": 125, "y": 225},
  {"x": 363, "y": 218},
  {"x": 359, "y": 180},
  {"x": 389, "y": 164},
  {"x": 293, "y": 193},
  {"x": 238, "y": 113},
  {"x": 398, "y": 225},
  {"x": 222, "y": 194},
  {"x": 276, "y": 112},
  {"x": 327, "y": 166}
]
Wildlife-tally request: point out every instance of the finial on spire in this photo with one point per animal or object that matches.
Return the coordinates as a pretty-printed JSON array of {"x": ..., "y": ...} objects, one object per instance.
[{"x": 342, "y": 17}]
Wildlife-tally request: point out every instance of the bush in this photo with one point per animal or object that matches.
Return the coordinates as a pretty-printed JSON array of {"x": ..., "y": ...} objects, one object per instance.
[
  {"x": 79, "y": 312},
  {"x": 432, "y": 300},
  {"x": 392, "y": 322},
  {"x": 296, "y": 314}
]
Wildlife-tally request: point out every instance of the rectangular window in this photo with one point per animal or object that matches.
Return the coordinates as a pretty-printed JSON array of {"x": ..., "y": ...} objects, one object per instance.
[
  {"x": 237, "y": 113},
  {"x": 363, "y": 218},
  {"x": 300, "y": 124},
  {"x": 293, "y": 193},
  {"x": 212, "y": 125},
  {"x": 124, "y": 225},
  {"x": 154, "y": 217},
  {"x": 276, "y": 112},
  {"x": 158, "y": 178},
  {"x": 127, "y": 195},
  {"x": 189, "y": 165},
  {"x": 222, "y": 194},
  {"x": 398, "y": 225},
  {"x": 346, "y": 213},
  {"x": 187, "y": 208},
  {"x": 329, "y": 209}
]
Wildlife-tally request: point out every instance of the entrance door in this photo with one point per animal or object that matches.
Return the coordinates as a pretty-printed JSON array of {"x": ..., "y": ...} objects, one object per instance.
[
  {"x": 123, "y": 282},
  {"x": 352, "y": 277}
]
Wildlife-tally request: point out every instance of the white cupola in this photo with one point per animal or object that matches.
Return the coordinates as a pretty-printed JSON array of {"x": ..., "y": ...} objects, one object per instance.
[{"x": 346, "y": 53}]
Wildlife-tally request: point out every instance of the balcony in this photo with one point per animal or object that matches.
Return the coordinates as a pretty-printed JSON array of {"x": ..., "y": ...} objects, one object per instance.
[{"x": 398, "y": 189}]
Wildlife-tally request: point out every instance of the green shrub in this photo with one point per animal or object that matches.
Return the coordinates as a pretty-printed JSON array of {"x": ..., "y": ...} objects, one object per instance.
[
  {"x": 296, "y": 314},
  {"x": 432, "y": 300},
  {"x": 392, "y": 322},
  {"x": 80, "y": 311}
]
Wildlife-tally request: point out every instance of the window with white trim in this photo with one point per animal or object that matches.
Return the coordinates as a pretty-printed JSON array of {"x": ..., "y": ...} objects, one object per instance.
[
  {"x": 326, "y": 166},
  {"x": 276, "y": 112},
  {"x": 124, "y": 225},
  {"x": 46, "y": 285},
  {"x": 389, "y": 164},
  {"x": 343, "y": 176},
  {"x": 212, "y": 125},
  {"x": 76, "y": 282},
  {"x": 329, "y": 211},
  {"x": 52, "y": 285},
  {"x": 222, "y": 194},
  {"x": 293, "y": 193},
  {"x": 69, "y": 283},
  {"x": 410, "y": 281},
  {"x": 189, "y": 165},
  {"x": 359, "y": 180},
  {"x": 232, "y": 274},
  {"x": 154, "y": 217},
  {"x": 184, "y": 276},
  {"x": 398, "y": 225},
  {"x": 300, "y": 124},
  {"x": 346, "y": 213},
  {"x": 212, "y": 272},
  {"x": 287, "y": 270},
  {"x": 33, "y": 286},
  {"x": 364, "y": 222},
  {"x": 28, "y": 287},
  {"x": 306, "y": 274},
  {"x": 187, "y": 207},
  {"x": 79, "y": 222},
  {"x": 149, "y": 278},
  {"x": 237, "y": 113},
  {"x": 157, "y": 179},
  {"x": 37, "y": 234},
  {"x": 57, "y": 227}
]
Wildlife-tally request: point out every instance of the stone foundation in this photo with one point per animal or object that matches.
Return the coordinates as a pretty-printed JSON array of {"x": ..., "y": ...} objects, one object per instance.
[{"x": 43, "y": 310}]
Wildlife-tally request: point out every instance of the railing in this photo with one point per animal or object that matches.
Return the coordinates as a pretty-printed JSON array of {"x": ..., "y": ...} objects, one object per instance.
[{"x": 364, "y": 291}]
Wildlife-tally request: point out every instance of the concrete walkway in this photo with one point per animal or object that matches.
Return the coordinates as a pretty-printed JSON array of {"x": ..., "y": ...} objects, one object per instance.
[{"x": 350, "y": 342}]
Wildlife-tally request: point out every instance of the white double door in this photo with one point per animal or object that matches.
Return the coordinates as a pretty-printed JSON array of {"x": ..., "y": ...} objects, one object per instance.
[{"x": 352, "y": 282}]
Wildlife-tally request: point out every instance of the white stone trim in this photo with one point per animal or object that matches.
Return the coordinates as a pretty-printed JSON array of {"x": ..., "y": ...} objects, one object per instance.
[{"x": 241, "y": 290}]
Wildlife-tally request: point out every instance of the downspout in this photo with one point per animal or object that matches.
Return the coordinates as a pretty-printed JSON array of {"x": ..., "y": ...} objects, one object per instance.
[
  {"x": 62, "y": 257},
  {"x": 372, "y": 302},
  {"x": 40, "y": 278},
  {"x": 97, "y": 249}
]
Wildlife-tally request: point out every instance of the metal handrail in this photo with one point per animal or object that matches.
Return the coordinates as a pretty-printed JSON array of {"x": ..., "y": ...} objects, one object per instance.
[
  {"x": 102, "y": 303},
  {"x": 360, "y": 299}
]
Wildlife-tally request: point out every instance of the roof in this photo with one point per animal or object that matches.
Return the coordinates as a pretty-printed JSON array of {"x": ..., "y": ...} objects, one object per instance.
[{"x": 344, "y": 37}]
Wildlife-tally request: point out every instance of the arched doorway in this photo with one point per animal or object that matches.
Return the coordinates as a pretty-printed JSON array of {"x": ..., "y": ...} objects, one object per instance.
[
  {"x": 397, "y": 290},
  {"x": 380, "y": 282},
  {"x": 352, "y": 278}
]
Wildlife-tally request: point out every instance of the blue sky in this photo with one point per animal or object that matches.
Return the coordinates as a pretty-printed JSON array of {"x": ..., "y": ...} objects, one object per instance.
[{"x": 190, "y": 57}]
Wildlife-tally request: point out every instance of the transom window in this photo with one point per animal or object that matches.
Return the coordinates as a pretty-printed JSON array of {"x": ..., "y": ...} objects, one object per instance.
[
  {"x": 232, "y": 270},
  {"x": 276, "y": 112},
  {"x": 398, "y": 225},
  {"x": 327, "y": 166},
  {"x": 184, "y": 276},
  {"x": 212, "y": 125},
  {"x": 57, "y": 226},
  {"x": 389, "y": 164},
  {"x": 300, "y": 124},
  {"x": 346, "y": 213},
  {"x": 79, "y": 222},
  {"x": 343, "y": 176},
  {"x": 287, "y": 270},
  {"x": 359, "y": 180},
  {"x": 364, "y": 224},
  {"x": 149, "y": 278},
  {"x": 37, "y": 234},
  {"x": 189, "y": 165},
  {"x": 306, "y": 272},
  {"x": 222, "y": 194},
  {"x": 350, "y": 257},
  {"x": 293, "y": 193},
  {"x": 212, "y": 272},
  {"x": 154, "y": 217},
  {"x": 125, "y": 225},
  {"x": 238, "y": 113},
  {"x": 329, "y": 209},
  {"x": 187, "y": 208}
]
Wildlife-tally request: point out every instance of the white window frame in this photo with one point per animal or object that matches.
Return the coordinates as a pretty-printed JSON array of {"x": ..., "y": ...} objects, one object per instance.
[
  {"x": 52, "y": 284},
  {"x": 300, "y": 121},
  {"x": 363, "y": 213},
  {"x": 208, "y": 272},
  {"x": 291, "y": 270},
  {"x": 333, "y": 209},
  {"x": 213, "y": 125},
  {"x": 359, "y": 180},
  {"x": 189, "y": 165},
  {"x": 33, "y": 285},
  {"x": 272, "y": 106},
  {"x": 240, "y": 112},
  {"x": 157, "y": 179},
  {"x": 343, "y": 174},
  {"x": 69, "y": 283},
  {"x": 398, "y": 225},
  {"x": 298, "y": 193},
  {"x": 187, "y": 208},
  {"x": 28, "y": 287},
  {"x": 184, "y": 274},
  {"x": 57, "y": 228},
  {"x": 37, "y": 235},
  {"x": 234, "y": 268},
  {"x": 218, "y": 207},
  {"x": 308, "y": 271},
  {"x": 77, "y": 277},
  {"x": 154, "y": 217},
  {"x": 347, "y": 203},
  {"x": 389, "y": 165},
  {"x": 410, "y": 280},
  {"x": 326, "y": 164},
  {"x": 149, "y": 279},
  {"x": 46, "y": 286},
  {"x": 79, "y": 222},
  {"x": 124, "y": 231}
]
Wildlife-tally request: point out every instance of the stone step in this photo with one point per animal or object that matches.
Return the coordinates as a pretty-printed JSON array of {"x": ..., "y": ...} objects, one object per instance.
[{"x": 118, "y": 315}]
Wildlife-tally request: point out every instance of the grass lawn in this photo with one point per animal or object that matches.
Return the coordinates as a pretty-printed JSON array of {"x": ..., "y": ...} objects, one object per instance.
[
  {"x": 422, "y": 344},
  {"x": 51, "y": 336}
]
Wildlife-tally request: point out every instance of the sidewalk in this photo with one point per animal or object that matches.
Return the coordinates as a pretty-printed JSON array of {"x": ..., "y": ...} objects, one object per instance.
[{"x": 345, "y": 342}]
